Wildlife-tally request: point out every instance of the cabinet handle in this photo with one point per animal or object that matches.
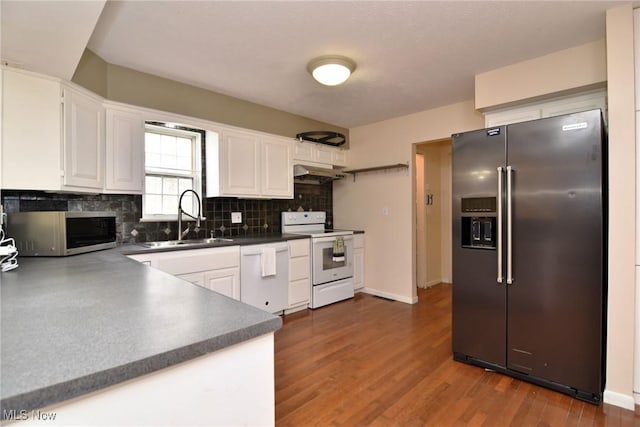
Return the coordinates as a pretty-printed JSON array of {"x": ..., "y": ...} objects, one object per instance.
[
  {"x": 500, "y": 278},
  {"x": 509, "y": 226}
]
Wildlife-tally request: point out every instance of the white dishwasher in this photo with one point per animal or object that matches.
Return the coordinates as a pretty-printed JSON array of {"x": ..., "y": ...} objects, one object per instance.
[{"x": 264, "y": 276}]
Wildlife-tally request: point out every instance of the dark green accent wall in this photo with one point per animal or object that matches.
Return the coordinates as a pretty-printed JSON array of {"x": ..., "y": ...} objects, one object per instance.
[{"x": 129, "y": 86}]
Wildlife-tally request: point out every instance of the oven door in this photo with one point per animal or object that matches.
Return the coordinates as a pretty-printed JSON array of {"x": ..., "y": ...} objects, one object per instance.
[{"x": 328, "y": 267}]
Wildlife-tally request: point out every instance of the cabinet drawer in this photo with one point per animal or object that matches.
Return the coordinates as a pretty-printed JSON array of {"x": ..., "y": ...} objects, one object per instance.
[
  {"x": 298, "y": 248},
  {"x": 299, "y": 268},
  {"x": 299, "y": 291}
]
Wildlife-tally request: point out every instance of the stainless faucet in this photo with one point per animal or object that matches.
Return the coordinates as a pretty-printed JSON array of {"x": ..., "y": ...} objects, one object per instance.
[{"x": 181, "y": 233}]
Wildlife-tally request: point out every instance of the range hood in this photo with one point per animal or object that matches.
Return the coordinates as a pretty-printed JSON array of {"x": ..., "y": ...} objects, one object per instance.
[{"x": 309, "y": 174}]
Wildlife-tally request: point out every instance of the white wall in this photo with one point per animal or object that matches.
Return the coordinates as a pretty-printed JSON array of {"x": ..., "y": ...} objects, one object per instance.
[
  {"x": 564, "y": 71},
  {"x": 390, "y": 259},
  {"x": 622, "y": 205},
  {"x": 636, "y": 36},
  {"x": 433, "y": 170},
  {"x": 446, "y": 216}
]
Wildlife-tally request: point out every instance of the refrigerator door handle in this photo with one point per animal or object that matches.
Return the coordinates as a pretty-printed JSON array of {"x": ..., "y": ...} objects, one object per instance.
[
  {"x": 509, "y": 226},
  {"x": 500, "y": 278}
]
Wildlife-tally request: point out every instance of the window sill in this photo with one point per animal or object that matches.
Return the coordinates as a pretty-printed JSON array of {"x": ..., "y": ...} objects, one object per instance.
[{"x": 160, "y": 218}]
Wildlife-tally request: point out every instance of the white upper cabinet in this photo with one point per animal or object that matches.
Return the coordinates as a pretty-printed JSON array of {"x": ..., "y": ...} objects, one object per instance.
[
  {"x": 241, "y": 165},
  {"x": 124, "y": 150},
  {"x": 277, "y": 168},
  {"x": 59, "y": 133},
  {"x": 31, "y": 131},
  {"x": 52, "y": 136},
  {"x": 249, "y": 164},
  {"x": 566, "y": 104},
  {"x": 321, "y": 155},
  {"x": 83, "y": 140}
]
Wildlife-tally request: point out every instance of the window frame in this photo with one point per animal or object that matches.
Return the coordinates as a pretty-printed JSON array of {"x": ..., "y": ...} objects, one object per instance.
[{"x": 196, "y": 168}]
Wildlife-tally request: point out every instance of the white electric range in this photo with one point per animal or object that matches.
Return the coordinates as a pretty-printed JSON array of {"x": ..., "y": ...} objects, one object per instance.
[{"x": 331, "y": 256}]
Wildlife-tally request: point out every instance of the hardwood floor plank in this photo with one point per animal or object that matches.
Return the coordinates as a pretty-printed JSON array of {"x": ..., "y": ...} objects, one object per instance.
[{"x": 373, "y": 362}]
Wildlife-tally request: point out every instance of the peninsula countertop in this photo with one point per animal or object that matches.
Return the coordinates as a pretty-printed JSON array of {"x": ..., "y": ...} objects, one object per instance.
[{"x": 77, "y": 324}]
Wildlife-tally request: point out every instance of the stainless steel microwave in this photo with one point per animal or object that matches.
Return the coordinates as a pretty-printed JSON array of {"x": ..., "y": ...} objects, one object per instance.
[{"x": 61, "y": 233}]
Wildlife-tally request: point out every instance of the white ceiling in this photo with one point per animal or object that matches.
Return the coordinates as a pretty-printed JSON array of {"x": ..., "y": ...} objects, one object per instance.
[
  {"x": 411, "y": 56},
  {"x": 47, "y": 36}
]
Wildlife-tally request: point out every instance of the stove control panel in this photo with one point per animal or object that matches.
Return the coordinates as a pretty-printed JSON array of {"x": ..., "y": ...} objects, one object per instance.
[{"x": 300, "y": 218}]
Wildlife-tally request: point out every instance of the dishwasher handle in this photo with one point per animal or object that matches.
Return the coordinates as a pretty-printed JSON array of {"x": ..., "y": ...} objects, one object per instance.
[{"x": 258, "y": 251}]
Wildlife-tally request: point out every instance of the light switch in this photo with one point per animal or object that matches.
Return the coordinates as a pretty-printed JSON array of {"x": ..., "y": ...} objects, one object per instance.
[{"x": 236, "y": 217}]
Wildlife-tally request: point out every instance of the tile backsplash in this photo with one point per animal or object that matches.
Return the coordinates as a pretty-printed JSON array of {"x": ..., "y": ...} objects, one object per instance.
[{"x": 258, "y": 216}]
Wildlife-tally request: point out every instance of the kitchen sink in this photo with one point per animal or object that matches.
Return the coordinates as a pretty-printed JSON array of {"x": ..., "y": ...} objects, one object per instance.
[{"x": 189, "y": 242}]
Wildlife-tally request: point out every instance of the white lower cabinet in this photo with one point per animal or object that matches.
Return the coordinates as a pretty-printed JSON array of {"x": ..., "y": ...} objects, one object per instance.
[
  {"x": 358, "y": 261},
  {"x": 225, "y": 281},
  {"x": 299, "y": 275},
  {"x": 215, "y": 389},
  {"x": 217, "y": 269}
]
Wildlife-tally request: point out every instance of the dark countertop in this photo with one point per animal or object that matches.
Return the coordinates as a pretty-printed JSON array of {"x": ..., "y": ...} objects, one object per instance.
[
  {"x": 140, "y": 248},
  {"x": 76, "y": 324}
]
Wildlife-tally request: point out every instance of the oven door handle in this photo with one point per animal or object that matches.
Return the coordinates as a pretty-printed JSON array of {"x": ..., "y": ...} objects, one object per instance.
[{"x": 331, "y": 239}]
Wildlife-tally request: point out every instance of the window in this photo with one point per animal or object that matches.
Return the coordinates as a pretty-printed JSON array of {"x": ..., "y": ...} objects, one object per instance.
[{"x": 172, "y": 165}]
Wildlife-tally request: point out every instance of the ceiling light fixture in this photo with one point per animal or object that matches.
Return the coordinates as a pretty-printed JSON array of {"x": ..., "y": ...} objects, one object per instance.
[{"x": 331, "y": 70}]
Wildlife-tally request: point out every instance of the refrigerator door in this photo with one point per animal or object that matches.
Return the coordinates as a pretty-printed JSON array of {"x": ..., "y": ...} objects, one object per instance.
[
  {"x": 479, "y": 310},
  {"x": 555, "y": 302}
]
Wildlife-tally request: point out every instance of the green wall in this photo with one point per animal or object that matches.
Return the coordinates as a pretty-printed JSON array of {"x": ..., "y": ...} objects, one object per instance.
[{"x": 128, "y": 86}]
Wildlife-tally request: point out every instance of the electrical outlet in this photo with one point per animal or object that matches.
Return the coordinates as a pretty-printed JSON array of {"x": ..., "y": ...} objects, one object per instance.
[
  {"x": 385, "y": 211},
  {"x": 236, "y": 217}
]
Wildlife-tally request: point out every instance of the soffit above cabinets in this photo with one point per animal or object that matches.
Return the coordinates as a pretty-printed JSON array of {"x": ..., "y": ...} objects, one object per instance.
[{"x": 47, "y": 36}]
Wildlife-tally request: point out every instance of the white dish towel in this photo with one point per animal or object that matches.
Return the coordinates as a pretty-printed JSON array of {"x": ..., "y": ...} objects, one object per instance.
[{"x": 268, "y": 261}]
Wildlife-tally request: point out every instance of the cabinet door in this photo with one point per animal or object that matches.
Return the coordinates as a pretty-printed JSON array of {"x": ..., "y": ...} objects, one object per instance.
[
  {"x": 225, "y": 281},
  {"x": 323, "y": 154},
  {"x": 195, "y": 278},
  {"x": 299, "y": 292},
  {"x": 358, "y": 268},
  {"x": 124, "y": 151},
  {"x": 303, "y": 151},
  {"x": 240, "y": 167},
  {"x": 83, "y": 141},
  {"x": 31, "y": 131},
  {"x": 339, "y": 157},
  {"x": 299, "y": 268},
  {"x": 277, "y": 169}
]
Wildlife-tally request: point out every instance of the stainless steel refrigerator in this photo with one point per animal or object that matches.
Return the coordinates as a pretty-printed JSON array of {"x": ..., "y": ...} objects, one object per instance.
[{"x": 529, "y": 251}]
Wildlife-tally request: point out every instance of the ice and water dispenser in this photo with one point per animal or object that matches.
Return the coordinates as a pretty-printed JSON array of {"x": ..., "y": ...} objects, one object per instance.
[{"x": 479, "y": 222}]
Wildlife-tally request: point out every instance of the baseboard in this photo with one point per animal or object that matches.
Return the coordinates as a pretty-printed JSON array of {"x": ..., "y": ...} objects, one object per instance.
[
  {"x": 636, "y": 397},
  {"x": 618, "y": 399},
  {"x": 433, "y": 282},
  {"x": 388, "y": 295},
  {"x": 296, "y": 309}
]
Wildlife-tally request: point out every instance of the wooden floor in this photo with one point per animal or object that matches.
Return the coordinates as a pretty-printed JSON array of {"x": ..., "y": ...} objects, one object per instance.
[{"x": 371, "y": 361}]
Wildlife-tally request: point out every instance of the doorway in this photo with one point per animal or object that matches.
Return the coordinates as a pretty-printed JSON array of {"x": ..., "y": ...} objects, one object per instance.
[{"x": 433, "y": 213}]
